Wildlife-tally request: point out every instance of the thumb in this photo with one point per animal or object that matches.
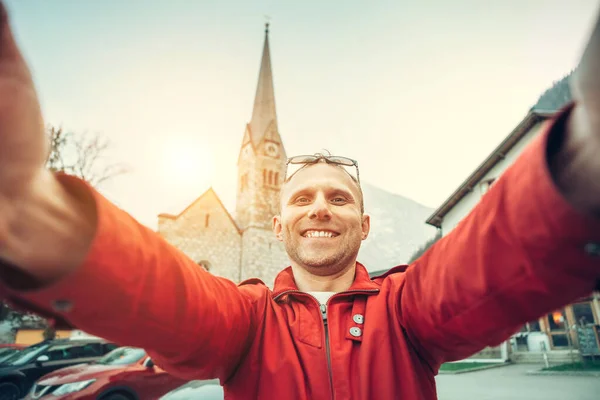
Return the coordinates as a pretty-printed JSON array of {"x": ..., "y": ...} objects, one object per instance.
[
  {"x": 9, "y": 51},
  {"x": 588, "y": 70}
]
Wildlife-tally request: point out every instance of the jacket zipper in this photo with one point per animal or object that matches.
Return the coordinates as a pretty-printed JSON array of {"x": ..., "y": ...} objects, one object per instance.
[
  {"x": 323, "y": 308},
  {"x": 327, "y": 349}
]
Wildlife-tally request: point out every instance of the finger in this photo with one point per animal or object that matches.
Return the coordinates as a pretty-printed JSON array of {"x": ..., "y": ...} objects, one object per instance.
[
  {"x": 593, "y": 46},
  {"x": 588, "y": 69},
  {"x": 9, "y": 51}
]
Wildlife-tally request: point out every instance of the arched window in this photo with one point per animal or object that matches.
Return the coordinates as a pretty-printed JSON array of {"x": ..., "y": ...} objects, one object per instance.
[
  {"x": 270, "y": 177},
  {"x": 206, "y": 220}
]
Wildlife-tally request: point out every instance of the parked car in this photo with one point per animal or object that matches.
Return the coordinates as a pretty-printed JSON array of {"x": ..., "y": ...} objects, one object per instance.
[
  {"x": 126, "y": 373},
  {"x": 22, "y": 369},
  {"x": 197, "y": 390},
  {"x": 7, "y": 350}
]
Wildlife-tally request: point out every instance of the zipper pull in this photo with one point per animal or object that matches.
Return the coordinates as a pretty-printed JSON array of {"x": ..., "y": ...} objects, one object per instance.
[{"x": 324, "y": 311}]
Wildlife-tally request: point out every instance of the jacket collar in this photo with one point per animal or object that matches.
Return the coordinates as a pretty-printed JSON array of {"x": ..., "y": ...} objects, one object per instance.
[{"x": 284, "y": 282}]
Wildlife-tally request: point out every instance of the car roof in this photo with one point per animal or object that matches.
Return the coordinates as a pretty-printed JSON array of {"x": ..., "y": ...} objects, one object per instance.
[
  {"x": 69, "y": 342},
  {"x": 77, "y": 340}
]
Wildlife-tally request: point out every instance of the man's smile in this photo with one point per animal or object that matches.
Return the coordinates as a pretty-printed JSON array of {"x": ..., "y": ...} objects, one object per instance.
[{"x": 319, "y": 234}]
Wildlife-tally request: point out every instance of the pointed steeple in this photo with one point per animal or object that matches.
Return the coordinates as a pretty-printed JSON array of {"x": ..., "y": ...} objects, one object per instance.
[
  {"x": 263, "y": 113},
  {"x": 262, "y": 157}
]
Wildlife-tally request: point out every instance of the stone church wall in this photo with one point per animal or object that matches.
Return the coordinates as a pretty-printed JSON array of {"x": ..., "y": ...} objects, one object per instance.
[
  {"x": 263, "y": 255},
  {"x": 216, "y": 242}
]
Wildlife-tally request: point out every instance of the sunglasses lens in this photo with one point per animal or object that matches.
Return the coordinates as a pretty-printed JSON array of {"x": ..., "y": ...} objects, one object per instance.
[
  {"x": 341, "y": 160},
  {"x": 302, "y": 159},
  {"x": 350, "y": 169}
]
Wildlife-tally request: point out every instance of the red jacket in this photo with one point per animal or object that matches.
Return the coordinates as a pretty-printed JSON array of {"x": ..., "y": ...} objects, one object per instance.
[{"x": 522, "y": 252}]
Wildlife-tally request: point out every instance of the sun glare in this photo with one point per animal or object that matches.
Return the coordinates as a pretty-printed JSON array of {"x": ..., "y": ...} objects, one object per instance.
[{"x": 188, "y": 164}]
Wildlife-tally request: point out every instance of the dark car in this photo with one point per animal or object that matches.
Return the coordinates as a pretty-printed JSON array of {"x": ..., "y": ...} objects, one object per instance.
[
  {"x": 197, "y": 390},
  {"x": 125, "y": 373},
  {"x": 8, "y": 350},
  {"x": 21, "y": 370}
]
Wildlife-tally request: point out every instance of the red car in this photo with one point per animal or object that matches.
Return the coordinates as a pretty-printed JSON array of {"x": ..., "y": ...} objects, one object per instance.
[{"x": 126, "y": 373}]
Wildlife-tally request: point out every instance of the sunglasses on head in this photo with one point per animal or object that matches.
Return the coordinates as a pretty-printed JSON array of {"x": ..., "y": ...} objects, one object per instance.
[{"x": 313, "y": 159}]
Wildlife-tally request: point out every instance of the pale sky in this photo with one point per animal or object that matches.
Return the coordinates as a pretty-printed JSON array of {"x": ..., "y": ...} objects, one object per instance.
[{"x": 419, "y": 92}]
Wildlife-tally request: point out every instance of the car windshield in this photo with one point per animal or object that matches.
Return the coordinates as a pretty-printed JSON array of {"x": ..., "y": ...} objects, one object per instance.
[
  {"x": 122, "y": 356},
  {"x": 7, "y": 352},
  {"x": 26, "y": 355}
]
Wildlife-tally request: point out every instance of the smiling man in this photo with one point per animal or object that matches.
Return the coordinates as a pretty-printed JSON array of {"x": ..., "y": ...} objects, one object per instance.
[
  {"x": 322, "y": 222},
  {"x": 326, "y": 330}
]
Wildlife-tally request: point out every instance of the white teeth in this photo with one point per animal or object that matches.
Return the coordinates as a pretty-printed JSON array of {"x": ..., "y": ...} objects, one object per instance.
[{"x": 314, "y": 234}]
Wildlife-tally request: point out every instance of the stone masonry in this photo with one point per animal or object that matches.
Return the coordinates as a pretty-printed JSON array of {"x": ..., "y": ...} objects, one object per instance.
[
  {"x": 263, "y": 256},
  {"x": 206, "y": 233}
]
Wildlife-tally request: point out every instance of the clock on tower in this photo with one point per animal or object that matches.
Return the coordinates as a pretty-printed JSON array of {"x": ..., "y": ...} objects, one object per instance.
[{"x": 272, "y": 149}]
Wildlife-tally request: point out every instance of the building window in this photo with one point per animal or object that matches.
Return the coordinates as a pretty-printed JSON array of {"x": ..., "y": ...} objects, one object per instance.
[
  {"x": 532, "y": 326},
  {"x": 557, "y": 321},
  {"x": 276, "y": 179},
  {"x": 583, "y": 313},
  {"x": 264, "y": 177},
  {"x": 206, "y": 220},
  {"x": 557, "y": 324},
  {"x": 270, "y": 177}
]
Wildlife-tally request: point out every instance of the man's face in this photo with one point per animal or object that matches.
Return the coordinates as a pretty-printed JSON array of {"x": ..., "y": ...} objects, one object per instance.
[{"x": 321, "y": 223}]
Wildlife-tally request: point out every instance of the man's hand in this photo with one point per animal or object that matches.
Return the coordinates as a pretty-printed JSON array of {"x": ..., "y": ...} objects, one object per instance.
[
  {"x": 576, "y": 166},
  {"x": 23, "y": 145},
  {"x": 45, "y": 227}
]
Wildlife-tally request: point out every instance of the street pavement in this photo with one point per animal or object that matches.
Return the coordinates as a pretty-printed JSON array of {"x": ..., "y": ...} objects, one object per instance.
[{"x": 512, "y": 383}]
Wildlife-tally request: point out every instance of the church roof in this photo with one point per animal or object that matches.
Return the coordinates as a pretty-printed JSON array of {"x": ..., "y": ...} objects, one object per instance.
[
  {"x": 209, "y": 191},
  {"x": 263, "y": 113}
]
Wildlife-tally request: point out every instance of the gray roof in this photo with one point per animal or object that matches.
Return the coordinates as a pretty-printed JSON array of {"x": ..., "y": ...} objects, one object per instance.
[{"x": 556, "y": 97}]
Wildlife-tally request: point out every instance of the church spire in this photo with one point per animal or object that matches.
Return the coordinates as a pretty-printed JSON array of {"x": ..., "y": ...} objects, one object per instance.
[{"x": 263, "y": 113}]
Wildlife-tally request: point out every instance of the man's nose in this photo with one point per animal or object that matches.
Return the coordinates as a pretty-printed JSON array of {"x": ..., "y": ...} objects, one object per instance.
[{"x": 320, "y": 209}]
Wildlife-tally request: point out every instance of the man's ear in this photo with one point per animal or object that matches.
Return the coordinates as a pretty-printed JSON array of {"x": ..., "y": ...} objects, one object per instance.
[
  {"x": 366, "y": 226},
  {"x": 277, "y": 228}
]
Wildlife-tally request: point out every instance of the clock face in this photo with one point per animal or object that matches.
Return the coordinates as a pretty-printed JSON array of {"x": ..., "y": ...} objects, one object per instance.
[{"x": 272, "y": 149}]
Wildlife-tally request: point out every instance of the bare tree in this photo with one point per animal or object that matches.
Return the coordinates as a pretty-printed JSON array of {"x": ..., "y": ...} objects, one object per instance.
[{"x": 82, "y": 155}]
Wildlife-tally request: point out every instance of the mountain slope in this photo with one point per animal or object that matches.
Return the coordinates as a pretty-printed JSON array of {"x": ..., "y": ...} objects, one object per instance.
[{"x": 397, "y": 228}]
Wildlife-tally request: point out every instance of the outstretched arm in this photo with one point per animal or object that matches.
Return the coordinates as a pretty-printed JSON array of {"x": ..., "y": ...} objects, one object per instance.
[
  {"x": 67, "y": 252},
  {"x": 530, "y": 247}
]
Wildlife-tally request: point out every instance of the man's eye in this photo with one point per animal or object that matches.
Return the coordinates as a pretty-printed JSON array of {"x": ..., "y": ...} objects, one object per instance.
[
  {"x": 339, "y": 200},
  {"x": 302, "y": 200}
]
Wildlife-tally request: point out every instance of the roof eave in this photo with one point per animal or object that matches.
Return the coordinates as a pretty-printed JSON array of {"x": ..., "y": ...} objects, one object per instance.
[{"x": 532, "y": 118}]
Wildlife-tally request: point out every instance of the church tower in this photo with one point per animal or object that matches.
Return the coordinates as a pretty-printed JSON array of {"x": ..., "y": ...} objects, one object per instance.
[
  {"x": 261, "y": 162},
  {"x": 261, "y": 169}
]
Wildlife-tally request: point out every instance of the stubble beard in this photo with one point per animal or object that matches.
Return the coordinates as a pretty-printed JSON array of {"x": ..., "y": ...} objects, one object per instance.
[{"x": 325, "y": 263}]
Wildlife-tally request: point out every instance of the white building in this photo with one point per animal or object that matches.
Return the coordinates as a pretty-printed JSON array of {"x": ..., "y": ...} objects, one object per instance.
[{"x": 550, "y": 332}]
